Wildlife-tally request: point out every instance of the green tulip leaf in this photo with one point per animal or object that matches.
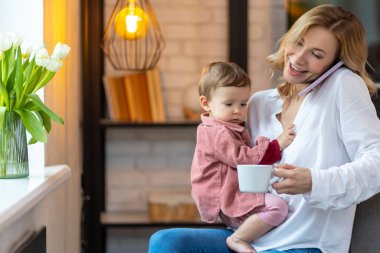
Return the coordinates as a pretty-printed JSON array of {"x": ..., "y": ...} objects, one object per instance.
[
  {"x": 2, "y": 114},
  {"x": 4, "y": 66},
  {"x": 44, "y": 79},
  {"x": 34, "y": 80},
  {"x": 31, "y": 106},
  {"x": 46, "y": 121},
  {"x": 29, "y": 69},
  {"x": 11, "y": 60},
  {"x": 32, "y": 124},
  {"x": 11, "y": 81},
  {"x": 37, "y": 101},
  {"x": 32, "y": 141},
  {"x": 19, "y": 76},
  {"x": 4, "y": 93}
]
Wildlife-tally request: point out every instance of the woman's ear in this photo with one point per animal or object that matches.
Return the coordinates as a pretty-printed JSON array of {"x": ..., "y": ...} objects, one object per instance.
[{"x": 204, "y": 103}]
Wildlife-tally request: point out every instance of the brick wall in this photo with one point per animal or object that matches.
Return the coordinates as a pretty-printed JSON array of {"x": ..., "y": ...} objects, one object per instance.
[
  {"x": 267, "y": 22},
  {"x": 139, "y": 160}
]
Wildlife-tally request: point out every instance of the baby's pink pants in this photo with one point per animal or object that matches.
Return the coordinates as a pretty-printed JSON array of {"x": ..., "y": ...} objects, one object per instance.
[{"x": 273, "y": 212}]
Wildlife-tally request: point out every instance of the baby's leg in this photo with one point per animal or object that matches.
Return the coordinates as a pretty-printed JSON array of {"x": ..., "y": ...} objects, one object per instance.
[
  {"x": 270, "y": 215},
  {"x": 251, "y": 229}
]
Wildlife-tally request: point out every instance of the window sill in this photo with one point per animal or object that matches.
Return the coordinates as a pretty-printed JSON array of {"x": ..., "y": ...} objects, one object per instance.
[{"x": 18, "y": 196}]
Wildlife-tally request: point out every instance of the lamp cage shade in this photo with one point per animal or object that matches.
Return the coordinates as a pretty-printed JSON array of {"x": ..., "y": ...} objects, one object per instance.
[{"x": 133, "y": 39}]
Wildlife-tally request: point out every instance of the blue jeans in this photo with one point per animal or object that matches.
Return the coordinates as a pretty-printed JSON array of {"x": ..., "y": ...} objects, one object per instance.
[
  {"x": 313, "y": 250},
  {"x": 199, "y": 240}
]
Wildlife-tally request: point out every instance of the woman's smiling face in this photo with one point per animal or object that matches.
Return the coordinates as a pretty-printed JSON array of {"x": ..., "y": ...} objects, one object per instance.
[{"x": 308, "y": 58}]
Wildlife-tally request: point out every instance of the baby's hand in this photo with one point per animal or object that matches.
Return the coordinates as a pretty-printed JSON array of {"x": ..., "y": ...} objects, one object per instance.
[{"x": 286, "y": 137}]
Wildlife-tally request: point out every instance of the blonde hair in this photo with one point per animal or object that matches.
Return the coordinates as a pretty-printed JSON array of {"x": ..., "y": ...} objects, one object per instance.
[
  {"x": 348, "y": 31},
  {"x": 221, "y": 74}
]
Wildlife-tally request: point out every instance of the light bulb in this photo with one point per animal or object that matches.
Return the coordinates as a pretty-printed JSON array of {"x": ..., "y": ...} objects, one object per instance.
[{"x": 131, "y": 23}]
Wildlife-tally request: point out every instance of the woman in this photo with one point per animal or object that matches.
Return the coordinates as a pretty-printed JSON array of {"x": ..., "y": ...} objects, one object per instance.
[{"x": 334, "y": 161}]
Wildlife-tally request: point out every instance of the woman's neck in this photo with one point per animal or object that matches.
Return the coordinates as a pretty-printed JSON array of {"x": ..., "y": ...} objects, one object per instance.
[{"x": 299, "y": 87}]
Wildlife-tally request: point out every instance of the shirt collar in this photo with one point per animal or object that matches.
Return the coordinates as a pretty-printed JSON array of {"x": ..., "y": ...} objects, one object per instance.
[
  {"x": 207, "y": 120},
  {"x": 273, "y": 94},
  {"x": 275, "y": 100}
]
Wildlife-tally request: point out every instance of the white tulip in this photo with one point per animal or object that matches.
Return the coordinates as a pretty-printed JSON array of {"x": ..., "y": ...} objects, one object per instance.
[
  {"x": 54, "y": 64},
  {"x": 33, "y": 50},
  {"x": 61, "y": 51},
  {"x": 15, "y": 38},
  {"x": 42, "y": 57},
  {"x": 26, "y": 51},
  {"x": 5, "y": 42}
]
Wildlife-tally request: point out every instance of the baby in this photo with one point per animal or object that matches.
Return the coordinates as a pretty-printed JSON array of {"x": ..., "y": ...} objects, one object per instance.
[{"x": 223, "y": 142}]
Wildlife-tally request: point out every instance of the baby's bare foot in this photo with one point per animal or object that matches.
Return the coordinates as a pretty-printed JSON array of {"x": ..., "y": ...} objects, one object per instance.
[{"x": 238, "y": 245}]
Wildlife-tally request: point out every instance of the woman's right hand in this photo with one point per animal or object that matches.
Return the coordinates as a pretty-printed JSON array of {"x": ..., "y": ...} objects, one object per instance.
[
  {"x": 286, "y": 137},
  {"x": 295, "y": 180}
]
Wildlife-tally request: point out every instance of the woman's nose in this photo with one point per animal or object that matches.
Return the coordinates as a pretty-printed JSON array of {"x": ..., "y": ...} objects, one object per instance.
[{"x": 299, "y": 56}]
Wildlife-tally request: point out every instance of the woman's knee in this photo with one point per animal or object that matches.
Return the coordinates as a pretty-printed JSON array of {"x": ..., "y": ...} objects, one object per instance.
[
  {"x": 166, "y": 240},
  {"x": 176, "y": 240}
]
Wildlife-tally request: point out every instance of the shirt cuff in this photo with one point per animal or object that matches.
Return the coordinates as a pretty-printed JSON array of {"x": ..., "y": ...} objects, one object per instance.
[
  {"x": 272, "y": 154},
  {"x": 319, "y": 189}
]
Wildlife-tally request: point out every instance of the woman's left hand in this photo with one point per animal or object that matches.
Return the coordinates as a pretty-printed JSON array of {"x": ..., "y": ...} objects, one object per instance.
[{"x": 295, "y": 180}]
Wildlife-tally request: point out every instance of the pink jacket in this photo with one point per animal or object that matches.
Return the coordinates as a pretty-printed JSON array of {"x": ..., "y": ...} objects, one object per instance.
[{"x": 220, "y": 147}]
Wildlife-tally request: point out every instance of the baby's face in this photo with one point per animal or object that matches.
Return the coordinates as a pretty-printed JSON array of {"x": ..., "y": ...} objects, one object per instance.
[{"x": 229, "y": 104}]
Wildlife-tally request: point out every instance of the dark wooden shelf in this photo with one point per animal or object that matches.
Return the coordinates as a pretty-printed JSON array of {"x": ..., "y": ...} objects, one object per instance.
[{"x": 169, "y": 123}]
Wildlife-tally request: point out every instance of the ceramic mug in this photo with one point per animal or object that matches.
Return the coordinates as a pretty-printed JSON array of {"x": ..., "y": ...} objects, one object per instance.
[{"x": 255, "y": 177}]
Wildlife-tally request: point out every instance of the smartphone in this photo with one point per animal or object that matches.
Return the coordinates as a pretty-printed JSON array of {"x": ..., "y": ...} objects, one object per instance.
[{"x": 321, "y": 78}]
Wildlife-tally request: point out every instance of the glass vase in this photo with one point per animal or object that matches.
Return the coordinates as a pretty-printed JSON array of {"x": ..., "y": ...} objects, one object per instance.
[{"x": 13, "y": 147}]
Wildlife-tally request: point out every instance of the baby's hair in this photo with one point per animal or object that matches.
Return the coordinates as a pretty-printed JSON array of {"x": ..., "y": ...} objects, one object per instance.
[{"x": 222, "y": 74}]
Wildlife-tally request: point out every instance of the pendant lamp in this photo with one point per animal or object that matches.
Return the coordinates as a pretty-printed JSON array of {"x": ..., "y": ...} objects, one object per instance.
[{"x": 133, "y": 39}]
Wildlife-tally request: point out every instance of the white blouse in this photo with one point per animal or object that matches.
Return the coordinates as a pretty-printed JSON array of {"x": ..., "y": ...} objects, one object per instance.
[{"x": 338, "y": 138}]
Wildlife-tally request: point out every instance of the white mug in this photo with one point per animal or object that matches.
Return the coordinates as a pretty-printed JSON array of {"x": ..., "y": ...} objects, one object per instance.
[{"x": 255, "y": 177}]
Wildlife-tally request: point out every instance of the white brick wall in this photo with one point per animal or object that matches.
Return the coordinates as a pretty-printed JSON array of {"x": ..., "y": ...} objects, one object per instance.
[
  {"x": 140, "y": 160},
  {"x": 196, "y": 33}
]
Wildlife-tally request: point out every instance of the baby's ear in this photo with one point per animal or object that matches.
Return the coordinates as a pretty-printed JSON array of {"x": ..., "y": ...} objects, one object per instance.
[{"x": 204, "y": 103}]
